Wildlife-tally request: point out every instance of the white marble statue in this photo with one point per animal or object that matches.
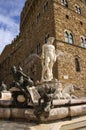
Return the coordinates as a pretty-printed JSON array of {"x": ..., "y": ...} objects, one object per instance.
[
  {"x": 65, "y": 93},
  {"x": 58, "y": 92},
  {"x": 68, "y": 91},
  {"x": 48, "y": 59}
]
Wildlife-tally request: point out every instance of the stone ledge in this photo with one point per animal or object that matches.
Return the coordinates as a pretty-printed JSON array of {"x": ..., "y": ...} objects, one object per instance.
[{"x": 62, "y": 125}]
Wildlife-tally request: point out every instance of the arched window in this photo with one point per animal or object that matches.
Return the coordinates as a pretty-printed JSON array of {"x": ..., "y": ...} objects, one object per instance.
[
  {"x": 77, "y": 65},
  {"x": 77, "y": 9},
  {"x": 64, "y": 3},
  {"x": 68, "y": 37},
  {"x": 83, "y": 42}
]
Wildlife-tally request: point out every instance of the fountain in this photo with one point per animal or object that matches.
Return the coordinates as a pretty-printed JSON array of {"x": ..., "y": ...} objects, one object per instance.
[{"x": 47, "y": 100}]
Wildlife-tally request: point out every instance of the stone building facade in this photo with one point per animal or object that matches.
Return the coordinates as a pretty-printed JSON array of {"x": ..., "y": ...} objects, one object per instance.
[{"x": 63, "y": 19}]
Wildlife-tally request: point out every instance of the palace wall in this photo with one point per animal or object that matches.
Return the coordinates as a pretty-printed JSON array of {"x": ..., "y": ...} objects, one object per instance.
[{"x": 39, "y": 20}]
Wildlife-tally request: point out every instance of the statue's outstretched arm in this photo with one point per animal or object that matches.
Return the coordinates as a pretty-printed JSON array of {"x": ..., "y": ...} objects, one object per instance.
[{"x": 23, "y": 74}]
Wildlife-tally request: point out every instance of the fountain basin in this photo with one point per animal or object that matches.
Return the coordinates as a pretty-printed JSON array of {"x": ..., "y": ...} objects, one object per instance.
[{"x": 62, "y": 109}]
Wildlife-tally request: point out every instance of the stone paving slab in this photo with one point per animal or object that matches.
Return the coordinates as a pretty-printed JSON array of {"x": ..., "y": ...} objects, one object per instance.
[{"x": 12, "y": 125}]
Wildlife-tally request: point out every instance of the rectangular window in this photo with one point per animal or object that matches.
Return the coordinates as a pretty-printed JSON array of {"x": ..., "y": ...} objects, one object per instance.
[
  {"x": 38, "y": 49},
  {"x": 32, "y": 25},
  {"x": 46, "y": 6},
  {"x": 38, "y": 18},
  {"x": 77, "y": 65}
]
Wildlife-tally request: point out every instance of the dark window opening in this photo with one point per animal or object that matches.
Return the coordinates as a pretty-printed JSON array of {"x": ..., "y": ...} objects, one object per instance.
[
  {"x": 77, "y": 65},
  {"x": 46, "y": 6},
  {"x": 38, "y": 49},
  {"x": 33, "y": 25},
  {"x": 67, "y": 16},
  {"x": 38, "y": 17},
  {"x": 81, "y": 22}
]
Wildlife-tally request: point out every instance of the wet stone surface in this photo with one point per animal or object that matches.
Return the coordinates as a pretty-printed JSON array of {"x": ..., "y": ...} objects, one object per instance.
[{"x": 12, "y": 125}]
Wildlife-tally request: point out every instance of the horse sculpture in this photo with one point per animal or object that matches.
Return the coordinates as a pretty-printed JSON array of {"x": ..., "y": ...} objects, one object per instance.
[{"x": 65, "y": 93}]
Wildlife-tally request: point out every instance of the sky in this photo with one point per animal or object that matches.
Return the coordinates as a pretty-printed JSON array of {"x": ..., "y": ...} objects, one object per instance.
[{"x": 9, "y": 20}]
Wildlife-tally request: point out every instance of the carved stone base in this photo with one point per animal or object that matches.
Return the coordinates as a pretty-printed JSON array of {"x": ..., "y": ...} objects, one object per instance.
[
  {"x": 54, "y": 114},
  {"x": 52, "y": 83}
]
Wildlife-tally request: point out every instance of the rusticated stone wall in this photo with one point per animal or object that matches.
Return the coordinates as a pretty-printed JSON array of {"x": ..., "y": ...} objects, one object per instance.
[
  {"x": 67, "y": 67},
  {"x": 38, "y": 24},
  {"x": 33, "y": 34},
  {"x": 66, "y": 18}
]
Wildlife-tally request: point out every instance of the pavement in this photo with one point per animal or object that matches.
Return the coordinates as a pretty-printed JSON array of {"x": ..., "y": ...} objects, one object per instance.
[
  {"x": 78, "y": 123},
  {"x": 12, "y": 125}
]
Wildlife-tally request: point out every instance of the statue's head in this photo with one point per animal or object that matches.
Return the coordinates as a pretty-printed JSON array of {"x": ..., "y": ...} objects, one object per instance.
[{"x": 51, "y": 40}]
